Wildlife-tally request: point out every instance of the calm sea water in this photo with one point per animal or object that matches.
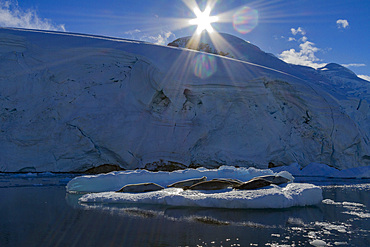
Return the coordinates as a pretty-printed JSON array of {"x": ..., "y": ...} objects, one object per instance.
[{"x": 35, "y": 210}]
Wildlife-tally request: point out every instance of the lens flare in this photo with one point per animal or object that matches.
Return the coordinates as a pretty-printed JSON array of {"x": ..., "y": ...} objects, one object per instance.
[
  {"x": 204, "y": 66},
  {"x": 203, "y": 20},
  {"x": 245, "y": 19}
]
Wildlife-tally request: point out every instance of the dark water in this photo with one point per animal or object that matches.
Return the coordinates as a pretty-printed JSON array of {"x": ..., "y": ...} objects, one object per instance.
[{"x": 36, "y": 211}]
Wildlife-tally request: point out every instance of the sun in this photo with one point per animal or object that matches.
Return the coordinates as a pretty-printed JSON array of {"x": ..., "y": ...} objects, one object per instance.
[{"x": 203, "y": 20}]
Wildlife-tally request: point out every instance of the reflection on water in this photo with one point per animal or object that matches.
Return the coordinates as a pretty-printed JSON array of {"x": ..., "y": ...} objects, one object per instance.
[
  {"x": 235, "y": 217},
  {"x": 36, "y": 211}
]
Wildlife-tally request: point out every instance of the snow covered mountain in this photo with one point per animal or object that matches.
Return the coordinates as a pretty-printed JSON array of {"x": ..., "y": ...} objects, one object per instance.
[
  {"x": 233, "y": 47},
  {"x": 337, "y": 77},
  {"x": 70, "y": 102}
]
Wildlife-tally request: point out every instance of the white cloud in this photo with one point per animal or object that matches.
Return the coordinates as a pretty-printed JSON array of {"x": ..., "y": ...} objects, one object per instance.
[
  {"x": 306, "y": 53},
  {"x": 305, "y": 56},
  {"x": 304, "y": 39},
  {"x": 161, "y": 39},
  {"x": 11, "y": 15},
  {"x": 131, "y": 32},
  {"x": 342, "y": 23},
  {"x": 365, "y": 77},
  {"x": 297, "y": 31},
  {"x": 354, "y": 65}
]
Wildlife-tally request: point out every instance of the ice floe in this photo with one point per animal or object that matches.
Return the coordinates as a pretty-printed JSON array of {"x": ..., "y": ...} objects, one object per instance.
[
  {"x": 352, "y": 208},
  {"x": 115, "y": 180},
  {"x": 273, "y": 196}
]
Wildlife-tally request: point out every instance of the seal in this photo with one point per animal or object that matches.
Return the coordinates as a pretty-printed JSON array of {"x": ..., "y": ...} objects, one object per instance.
[
  {"x": 234, "y": 182},
  {"x": 211, "y": 185},
  {"x": 139, "y": 188},
  {"x": 187, "y": 183},
  {"x": 254, "y": 183}
]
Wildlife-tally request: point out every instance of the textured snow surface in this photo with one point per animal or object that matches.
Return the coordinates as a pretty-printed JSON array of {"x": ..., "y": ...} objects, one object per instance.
[
  {"x": 70, "y": 102},
  {"x": 293, "y": 194},
  {"x": 115, "y": 180}
]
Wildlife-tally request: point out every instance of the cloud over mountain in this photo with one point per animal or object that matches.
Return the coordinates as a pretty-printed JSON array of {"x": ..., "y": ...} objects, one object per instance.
[
  {"x": 354, "y": 65},
  {"x": 306, "y": 53}
]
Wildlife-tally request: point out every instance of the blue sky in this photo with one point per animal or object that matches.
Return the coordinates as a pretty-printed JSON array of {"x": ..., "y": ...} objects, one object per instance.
[{"x": 308, "y": 32}]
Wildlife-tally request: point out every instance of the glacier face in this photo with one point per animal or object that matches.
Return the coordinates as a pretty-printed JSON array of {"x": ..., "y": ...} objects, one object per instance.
[{"x": 71, "y": 101}]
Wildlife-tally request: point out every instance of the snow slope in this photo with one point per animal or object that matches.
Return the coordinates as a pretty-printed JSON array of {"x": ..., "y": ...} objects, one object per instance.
[
  {"x": 350, "y": 91},
  {"x": 69, "y": 102}
]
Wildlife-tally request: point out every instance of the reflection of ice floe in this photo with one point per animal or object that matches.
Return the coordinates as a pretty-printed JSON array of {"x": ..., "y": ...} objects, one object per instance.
[
  {"x": 214, "y": 216},
  {"x": 293, "y": 194}
]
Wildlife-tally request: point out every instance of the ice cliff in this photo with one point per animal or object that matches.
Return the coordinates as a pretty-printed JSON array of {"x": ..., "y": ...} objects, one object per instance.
[{"x": 69, "y": 102}]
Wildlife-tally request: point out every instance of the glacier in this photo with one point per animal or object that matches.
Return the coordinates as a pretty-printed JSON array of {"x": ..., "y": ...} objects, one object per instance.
[{"x": 72, "y": 101}]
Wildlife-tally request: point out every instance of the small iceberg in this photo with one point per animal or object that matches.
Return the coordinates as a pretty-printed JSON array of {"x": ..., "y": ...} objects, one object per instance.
[
  {"x": 113, "y": 181},
  {"x": 101, "y": 189}
]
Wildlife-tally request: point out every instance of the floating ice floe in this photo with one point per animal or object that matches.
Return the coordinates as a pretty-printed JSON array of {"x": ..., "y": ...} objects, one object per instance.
[
  {"x": 353, "y": 208},
  {"x": 273, "y": 196},
  {"x": 113, "y": 181}
]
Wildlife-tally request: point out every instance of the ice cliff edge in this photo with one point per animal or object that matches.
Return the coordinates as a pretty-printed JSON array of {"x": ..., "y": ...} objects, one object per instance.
[{"x": 71, "y": 101}]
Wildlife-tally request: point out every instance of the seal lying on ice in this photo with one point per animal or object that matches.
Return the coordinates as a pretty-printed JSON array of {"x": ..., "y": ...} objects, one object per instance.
[
  {"x": 211, "y": 185},
  {"x": 187, "y": 183},
  {"x": 262, "y": 181},
  {"x": 138, "y": 188},
  {"x": 233, "y": 181},
  {"x": 254, "y": 183}
]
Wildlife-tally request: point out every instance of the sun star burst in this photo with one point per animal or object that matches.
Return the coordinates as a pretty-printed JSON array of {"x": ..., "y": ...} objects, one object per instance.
[{"x": 203, "y": 20}]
